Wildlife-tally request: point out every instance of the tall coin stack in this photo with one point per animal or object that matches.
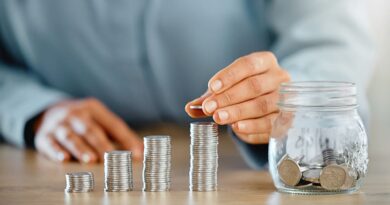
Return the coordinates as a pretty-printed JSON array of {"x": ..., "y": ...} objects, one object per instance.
[
  {"x": 79, "y": 182},
  {"x": 204, "y": 156},
  {"x": 157, "y": 163},
  {"x": 118, "y": 172}
]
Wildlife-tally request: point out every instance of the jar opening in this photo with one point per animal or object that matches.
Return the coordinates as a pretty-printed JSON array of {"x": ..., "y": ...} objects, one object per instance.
[{"x": 325, "y": 95}]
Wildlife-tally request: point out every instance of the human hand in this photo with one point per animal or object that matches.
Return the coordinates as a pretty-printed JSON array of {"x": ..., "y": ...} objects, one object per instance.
[
  {"x": 244, "y": 95},
  {"x": 84, "y": 129}
]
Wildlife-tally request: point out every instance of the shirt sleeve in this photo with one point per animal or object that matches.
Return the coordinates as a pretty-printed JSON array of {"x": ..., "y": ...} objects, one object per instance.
[
  {"x": 319, "y": 40},
  {"x": 22, "y": 98}
]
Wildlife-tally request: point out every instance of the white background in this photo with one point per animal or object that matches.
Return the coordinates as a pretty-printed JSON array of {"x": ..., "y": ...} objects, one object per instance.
[{"x": 379, "y": 91}]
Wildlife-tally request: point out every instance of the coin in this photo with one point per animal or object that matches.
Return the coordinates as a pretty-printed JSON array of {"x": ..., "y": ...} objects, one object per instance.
[
  {"x": 303, "y": 184},
  {"x": 312, "y": 175},
  {"x": 289, "y": 171},
  {"x": 351, "y": 178},
  {"x": 333, "y": 177},
  {"x": 196, "y": 107}
]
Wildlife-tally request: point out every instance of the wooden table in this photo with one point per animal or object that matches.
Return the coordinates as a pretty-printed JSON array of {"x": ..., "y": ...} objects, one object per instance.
[{"x": 28, "y": 178}]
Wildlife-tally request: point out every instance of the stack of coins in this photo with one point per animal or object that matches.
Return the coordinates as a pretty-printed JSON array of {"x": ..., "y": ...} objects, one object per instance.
[
  {"x": 79, "y": 182},
  {"x": 204, "y": 156},
  {"x": 157, "y": 163},
  {"x": 118, "y": 172}
]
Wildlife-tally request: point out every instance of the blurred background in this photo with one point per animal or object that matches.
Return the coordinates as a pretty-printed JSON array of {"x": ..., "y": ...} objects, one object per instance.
[{"x": 378, "y": 92}]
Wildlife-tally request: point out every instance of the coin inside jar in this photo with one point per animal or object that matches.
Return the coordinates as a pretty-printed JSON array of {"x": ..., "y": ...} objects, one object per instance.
[
  {"x": 289, "y": 171},
  {"x": 312, "y": 175},
  {"x": 350, "y": 179},
  {"x": 333, "y": 177}
]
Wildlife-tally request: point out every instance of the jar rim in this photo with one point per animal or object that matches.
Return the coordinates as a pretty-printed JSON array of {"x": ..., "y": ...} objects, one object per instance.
[
  {"x": 318, "y": 95},
  {"x": 315, "y": 86}
]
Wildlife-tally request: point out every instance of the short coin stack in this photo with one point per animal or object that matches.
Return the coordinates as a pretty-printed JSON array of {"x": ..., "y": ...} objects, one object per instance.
[
  {"x": 79, "y": 182},
  {"x": 118, "y": 172},
  {"x": 204, "y": 156},
  {"x": 157, "y": 163}
]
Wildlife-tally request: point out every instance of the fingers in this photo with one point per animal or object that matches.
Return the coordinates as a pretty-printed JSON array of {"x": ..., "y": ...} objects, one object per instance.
[
  {"x": 255, "y": 108},
  {"x": 244, "y": 67},
  {"x": 47, "y": 145},
  {"x": 245, "y": 90},
  {"x": 98, "y": 139},
  {"x": 92, "y": 133},
  {"x": 197, "y": 113},
  {"x": 258, "y": 125},
  {"x": 117, "y": 129},
  {"x": 75, "y": 145},
  {"x": 254, "y": 138}
]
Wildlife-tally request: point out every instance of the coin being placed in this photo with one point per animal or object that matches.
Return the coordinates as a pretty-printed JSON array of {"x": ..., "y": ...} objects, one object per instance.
[
  {"x": 196, "y": 107},
  {"x": 312, "y": 175},
  {"x": 333, "y": 177},
  {"x": 289, "y": 171}
]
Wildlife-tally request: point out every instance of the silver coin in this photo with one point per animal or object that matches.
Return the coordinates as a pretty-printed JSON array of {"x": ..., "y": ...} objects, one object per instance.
[
  {"x": 312, "y": 175},
  {"x": 333, "y": 177},
  {"x": 351, "y": 178},
  {"x": 196, "y": 107},
  {"x": 289, "y": 171},
  {"x": 303, "y": 184}
]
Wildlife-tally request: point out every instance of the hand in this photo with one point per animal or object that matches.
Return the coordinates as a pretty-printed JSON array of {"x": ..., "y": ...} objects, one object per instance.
[
  {"x": 244, "y": 95},
  {"x": 84, "y": 129}
]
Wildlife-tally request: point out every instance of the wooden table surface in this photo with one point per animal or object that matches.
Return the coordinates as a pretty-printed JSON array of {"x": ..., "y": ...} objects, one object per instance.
[{"x": 28, "y": 178}]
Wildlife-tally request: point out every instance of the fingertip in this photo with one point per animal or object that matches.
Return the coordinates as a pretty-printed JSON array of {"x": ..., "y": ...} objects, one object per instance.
[
  {"x": 234, "y": 127},
  {"x": 217, "y": 119},
  {"x": 209, "y": 107},
  {"x": 215, "y": 85},
  {"x": 62, "y": 156},
  {"x": 188, "y": 110},
  {"x": 88, "y": 158},
  {"x": 137, "y": 153}
]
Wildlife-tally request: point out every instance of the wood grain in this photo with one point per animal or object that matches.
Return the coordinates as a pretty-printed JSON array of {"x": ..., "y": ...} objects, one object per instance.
[{"x": 28, "y": 178}]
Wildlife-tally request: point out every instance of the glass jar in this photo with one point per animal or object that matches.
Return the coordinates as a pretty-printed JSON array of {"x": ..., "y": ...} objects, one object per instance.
[{"x": 318, "y": 144}]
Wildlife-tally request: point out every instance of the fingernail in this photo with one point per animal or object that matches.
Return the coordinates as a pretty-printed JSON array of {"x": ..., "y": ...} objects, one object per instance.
[
  {"x": 216, "y": 85},
  {"x": 241, "y": 125},
  {"x": 85, "y": 158},
  {"x": 60, "y": 156},
  {"x": 223, "y": 115},
  {"x": 210, "y": 106}
]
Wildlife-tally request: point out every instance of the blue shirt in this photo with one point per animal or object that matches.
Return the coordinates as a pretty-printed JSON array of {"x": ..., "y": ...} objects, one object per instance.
[{"x": 146, "y": 59}]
